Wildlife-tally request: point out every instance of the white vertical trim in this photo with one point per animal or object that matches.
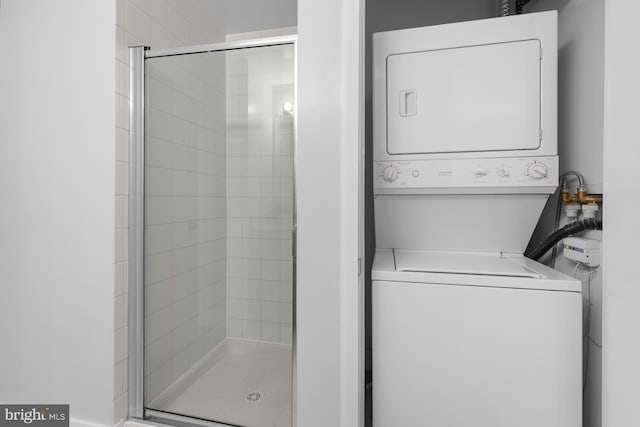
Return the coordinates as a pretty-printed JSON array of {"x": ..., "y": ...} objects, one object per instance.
[
  {"x": 328, "y": 182},
  {"x": 621, "y": 293},
  {"x": 352, "y": 215}
]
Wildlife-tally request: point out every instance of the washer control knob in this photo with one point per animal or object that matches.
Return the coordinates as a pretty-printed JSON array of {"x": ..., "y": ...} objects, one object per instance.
[
  {"x": 389, "y": 174},
  {"x": 503, "y": 171},
  {"x": 480, "y": 172},
  {"x": 537, "y": 170}
]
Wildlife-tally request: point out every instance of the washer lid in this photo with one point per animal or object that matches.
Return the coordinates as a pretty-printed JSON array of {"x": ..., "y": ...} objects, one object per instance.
[
  {"x": 489, "y": 264},
  {"x": 386, "y": 269}
]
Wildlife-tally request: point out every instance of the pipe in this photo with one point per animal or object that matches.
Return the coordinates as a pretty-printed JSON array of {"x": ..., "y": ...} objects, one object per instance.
[
  {"x": 564, "y": 176},
  {"x": 504, "y": 7},
  {"x": 588, "y": 198},
  {"x": 567, "y": 230},
  {"x": 563, "y": 193}
]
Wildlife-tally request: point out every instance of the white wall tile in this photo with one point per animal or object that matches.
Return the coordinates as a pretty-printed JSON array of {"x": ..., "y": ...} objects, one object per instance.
[
  {"x": 234, "y": 327},
  {"x": 270, "y": 290},
  {"x": 251, "y": 329},
  {"x": 158, "y": 238},
  {"x": 286, "y": 333},
  {"x": 120, "y": 278},
  {"x": 251, "y": 289},
  {"x": 159, "y": 353},
  {"x": 179, "y": 313},
  {"x": 121, "y": 178},
  {"x": 158, "y": 267},
  {"x": 270, "y": 311},
  {"x": 122, "y": 145},
  {"x": 251, "y": 309},
  {"x": 180, "y": 338},
  {"x": 270, "y": 249},
  {"x": 158, "y": 296},
  {"x": 136, "y": 21},
  {"x": 121, "y": 245},
  {"x": 118, "y": 378},
  {"x": 270, "y": 331},
  {"x": 180, "y": 286},
  {"x": 158, "y": 181},
  {"x": 158, "y": 380},
  {"x": 162, "y": 12},
  {"x": 158, "y": 210},
  {"x": 161, "y": 23},
  {"x": 158, "y": 324},
  {"x": 286, "y": 292},
  {"x": 180, "y": 28},
  {"x": 118, "y": 347},
  {"x": 179, "y": 209},
  {"x": 255, "y": 158}
]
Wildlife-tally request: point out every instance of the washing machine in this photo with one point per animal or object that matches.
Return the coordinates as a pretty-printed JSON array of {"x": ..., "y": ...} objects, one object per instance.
[
  {"x": 466, "y": 331},
  {"x": 474, "y": 340}
]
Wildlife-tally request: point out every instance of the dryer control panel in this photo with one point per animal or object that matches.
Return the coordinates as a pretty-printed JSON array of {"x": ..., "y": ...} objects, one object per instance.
[{"x": 473, "y": 176}]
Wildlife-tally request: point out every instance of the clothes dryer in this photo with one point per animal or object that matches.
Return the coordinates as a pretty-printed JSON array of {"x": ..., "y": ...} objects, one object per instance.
[{"x": 467, "y": 332}]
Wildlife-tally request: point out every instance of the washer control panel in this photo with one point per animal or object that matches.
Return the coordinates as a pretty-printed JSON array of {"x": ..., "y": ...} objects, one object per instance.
[{"x": 498, "y": 175}]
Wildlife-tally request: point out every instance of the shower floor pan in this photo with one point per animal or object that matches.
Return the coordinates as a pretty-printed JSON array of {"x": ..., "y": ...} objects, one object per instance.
[{"x": 242, "y": 383}]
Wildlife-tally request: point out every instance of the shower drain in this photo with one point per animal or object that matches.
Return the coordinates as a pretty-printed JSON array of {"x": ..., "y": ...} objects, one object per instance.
[{"x": 254, "y": 396}]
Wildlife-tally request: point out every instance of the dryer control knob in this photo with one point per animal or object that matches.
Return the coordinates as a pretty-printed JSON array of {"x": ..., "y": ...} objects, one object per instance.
[
  {"x": 503, "y": 171},
  {"x": 389, "y": 174},
  {"x": 480, "y": 172},
  {"x": 537, "y": 171}
]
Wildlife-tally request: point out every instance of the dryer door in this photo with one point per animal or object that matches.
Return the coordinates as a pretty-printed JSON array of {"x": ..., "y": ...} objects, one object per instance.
[{"x": 465, "y": 99}]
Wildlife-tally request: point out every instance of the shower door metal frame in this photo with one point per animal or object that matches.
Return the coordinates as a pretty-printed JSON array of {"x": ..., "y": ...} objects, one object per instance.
[{"x": 137, "y": 57}]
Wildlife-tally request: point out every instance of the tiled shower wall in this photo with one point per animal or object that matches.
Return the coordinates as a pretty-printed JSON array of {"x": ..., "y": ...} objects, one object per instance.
[
  {"x": 260, "y": 137},
  {"x": 159, "y": 24},
  {"x": 172, "y": 23},
  {"x": 185, "y": 215}
]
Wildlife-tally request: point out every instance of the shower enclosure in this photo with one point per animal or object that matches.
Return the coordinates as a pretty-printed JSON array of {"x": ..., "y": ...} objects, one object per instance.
[{"x": 212, "y": 234}]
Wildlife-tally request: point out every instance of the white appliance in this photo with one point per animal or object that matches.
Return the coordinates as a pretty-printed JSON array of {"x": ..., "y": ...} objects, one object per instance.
[
  {"x": 474, "y": 340},
  {"x": 483, "y": 88},
  {"x": 467, "y": 332}
]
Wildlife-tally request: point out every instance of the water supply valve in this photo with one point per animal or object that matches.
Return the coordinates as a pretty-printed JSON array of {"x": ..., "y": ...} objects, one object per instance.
[
  {"x": 572, "y": 210},
  {"x": 590, "y": 210},
  {"x": 582, "y": 200}
]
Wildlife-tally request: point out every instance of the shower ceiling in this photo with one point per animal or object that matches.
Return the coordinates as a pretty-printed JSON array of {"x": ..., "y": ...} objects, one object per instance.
[{"x": 242, "y": 16}]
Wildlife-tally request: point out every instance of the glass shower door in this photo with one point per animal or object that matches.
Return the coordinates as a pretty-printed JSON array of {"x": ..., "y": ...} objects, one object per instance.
[{"x": 218, "y": 197}]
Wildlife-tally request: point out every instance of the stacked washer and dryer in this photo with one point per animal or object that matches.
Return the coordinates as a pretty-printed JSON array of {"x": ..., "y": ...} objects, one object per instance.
[{"x": 467, "y": 332}]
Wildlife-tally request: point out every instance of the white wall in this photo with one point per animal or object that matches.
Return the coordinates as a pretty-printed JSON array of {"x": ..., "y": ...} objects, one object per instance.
[
  {"x": 329, "y": 149},
  {"x": 231, "y": 15},
  {"x": 621, "y": 316},
  {"x": 57, "y": 183},
  {"x": 580, "y": 145},
  {"x": 580, "y": 86},
  {"x": 386, "y": 15},
  {"x": 582, "y": 51}
]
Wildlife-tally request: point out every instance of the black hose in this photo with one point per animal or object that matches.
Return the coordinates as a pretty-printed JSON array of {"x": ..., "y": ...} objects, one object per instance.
[
  {"x": 567, "y": 230},
  {"x": 563, "y": 181},
  {"x": 520, "y": 4},
  {"x": 556, "y": 224}
]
